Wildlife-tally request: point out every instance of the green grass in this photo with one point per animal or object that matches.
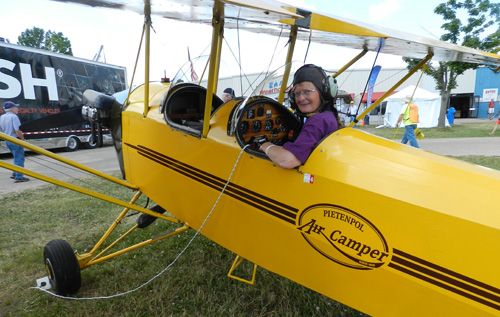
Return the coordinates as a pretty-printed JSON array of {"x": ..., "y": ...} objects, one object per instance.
[
  {"x": 464, "y": 130},
  {"x": 491, "y": 162},
  {"x": 197, "y": 284}
]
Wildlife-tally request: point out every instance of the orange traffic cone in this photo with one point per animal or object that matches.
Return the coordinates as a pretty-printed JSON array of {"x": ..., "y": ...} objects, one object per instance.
[{"x": 363, "y": 122}]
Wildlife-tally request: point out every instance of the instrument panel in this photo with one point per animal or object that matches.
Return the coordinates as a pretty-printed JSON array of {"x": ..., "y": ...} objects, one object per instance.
[{"x": 266, "y": 120}]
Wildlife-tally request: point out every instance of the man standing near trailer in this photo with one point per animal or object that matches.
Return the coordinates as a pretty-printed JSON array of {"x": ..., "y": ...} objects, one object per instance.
[{"x": 9, "y": 124}]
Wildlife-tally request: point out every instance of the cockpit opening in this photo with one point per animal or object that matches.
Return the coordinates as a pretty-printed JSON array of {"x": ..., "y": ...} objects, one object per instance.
[
  {"x": 263, "y": 119},
  {"x": 184, "y": 106}
]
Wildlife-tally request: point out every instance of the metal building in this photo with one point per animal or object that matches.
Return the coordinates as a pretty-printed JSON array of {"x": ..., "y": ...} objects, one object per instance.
[{"x": 353, "y": 82}]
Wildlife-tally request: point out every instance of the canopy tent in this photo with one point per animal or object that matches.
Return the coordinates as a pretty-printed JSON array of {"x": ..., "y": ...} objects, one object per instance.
[{"x": 428, "y": 104}]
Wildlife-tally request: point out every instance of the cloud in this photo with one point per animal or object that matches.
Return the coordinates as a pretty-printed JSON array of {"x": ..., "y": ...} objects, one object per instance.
[{"x": 384, "y": 9}]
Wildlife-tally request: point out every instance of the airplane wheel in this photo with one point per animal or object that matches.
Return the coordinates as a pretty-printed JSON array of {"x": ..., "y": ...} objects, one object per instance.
[
  {"x": 72, "y": 144},
  {"x": 62, "y": 266}
]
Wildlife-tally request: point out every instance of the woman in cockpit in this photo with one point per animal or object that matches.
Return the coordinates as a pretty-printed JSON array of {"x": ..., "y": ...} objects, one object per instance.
[{"x": 312, "y": 98}]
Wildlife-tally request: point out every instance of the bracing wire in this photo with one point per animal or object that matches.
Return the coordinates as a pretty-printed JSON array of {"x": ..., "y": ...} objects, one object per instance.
[
  {"x": 368, "y": 80},
  {"x": 308, "y": 45},
  {"x": 239, "y": 50},
  {"x": 411, "y": 98},
  {"x": 274, "y": 52},
  {"x": 243, "y": 74},
  {"x": 251, "y": 83}
]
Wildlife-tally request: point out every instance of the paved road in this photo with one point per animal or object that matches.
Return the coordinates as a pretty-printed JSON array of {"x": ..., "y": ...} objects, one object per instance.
[
  {"x": 101, "y": 159},
  {"x": 488, "y": 146},
  {"x": 104, "y": 160}
]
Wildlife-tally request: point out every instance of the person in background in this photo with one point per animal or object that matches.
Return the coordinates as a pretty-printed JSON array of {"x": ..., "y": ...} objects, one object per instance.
[
  {"x": 497, "y": 123},
  {"x": 496, "y": 126},
  {"x": 409, "y": 116},
  {"x": 228, "y": 94},
  {"x": 343, "y": 113},
  {"x": 491, "y": 108},
  {"x": 312, "y": 97},
  {"x": 451, "y": 115},
  {"x": 367, "y": 118},
  {"x": 353, "y": 110},
  {"x": 9, "y": 124}
]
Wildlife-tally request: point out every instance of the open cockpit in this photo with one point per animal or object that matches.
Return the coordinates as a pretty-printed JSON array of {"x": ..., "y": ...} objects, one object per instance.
[
  {"x": 183, "y": 107},
  {"x": 260, "y": 119}
]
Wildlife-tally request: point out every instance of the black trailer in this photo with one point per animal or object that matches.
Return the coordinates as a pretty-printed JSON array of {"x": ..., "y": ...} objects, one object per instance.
[{"x": 49, "y": 89}]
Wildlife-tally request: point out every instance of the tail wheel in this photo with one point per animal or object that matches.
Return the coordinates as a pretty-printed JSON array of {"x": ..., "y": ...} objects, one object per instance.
[
  {"x": 72, "y": 144},
  {"x": 62, "y": 266}
]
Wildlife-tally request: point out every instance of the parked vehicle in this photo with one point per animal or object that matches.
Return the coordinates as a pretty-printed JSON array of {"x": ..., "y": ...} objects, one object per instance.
[{"x": 49, "y": 88}]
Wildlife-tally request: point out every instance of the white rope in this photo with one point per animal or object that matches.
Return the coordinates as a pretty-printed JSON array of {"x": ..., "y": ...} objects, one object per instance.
[{"x": 172, "y": 263}]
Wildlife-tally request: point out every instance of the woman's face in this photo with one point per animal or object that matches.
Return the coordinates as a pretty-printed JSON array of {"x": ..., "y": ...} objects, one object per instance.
[{"x": 307, "y": 97}]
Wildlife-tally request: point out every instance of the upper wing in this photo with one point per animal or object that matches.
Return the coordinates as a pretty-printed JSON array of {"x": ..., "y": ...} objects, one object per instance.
[
  {"x": 354, "y": 34},
  {"x": 202, "y": 11},
  {"x": 275, "y": 18}
]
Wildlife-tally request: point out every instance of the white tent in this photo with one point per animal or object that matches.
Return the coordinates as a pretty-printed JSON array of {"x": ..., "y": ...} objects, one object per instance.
[{"x": 428, "y": 104}]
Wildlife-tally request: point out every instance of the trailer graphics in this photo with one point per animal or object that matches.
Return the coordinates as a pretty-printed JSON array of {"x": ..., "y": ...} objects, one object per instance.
[{"x": 49, "y": 89}]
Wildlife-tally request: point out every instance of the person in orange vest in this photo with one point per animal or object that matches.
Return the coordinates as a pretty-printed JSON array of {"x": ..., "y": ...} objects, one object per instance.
[{"x": 409, "y": 116}]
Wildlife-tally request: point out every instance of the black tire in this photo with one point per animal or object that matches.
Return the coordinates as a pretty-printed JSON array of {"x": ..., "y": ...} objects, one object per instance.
[
  {"x": 62, "y": 266},
  {"x": 72, "y": 144},
  {"x": 91, "y": 144}
]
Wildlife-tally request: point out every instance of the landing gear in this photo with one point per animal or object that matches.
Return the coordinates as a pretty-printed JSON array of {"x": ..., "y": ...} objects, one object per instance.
[
  {"x": 62, "y": 266},
  {"x": 145, "y": 220}
]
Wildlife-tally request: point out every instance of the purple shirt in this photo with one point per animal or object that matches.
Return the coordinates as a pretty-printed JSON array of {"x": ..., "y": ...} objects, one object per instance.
[{"x": 316, "y": 128}]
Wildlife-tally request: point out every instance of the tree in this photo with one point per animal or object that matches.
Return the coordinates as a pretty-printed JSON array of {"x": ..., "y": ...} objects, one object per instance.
[
  {"x": 481, "y": 15},
  {"x": 50, "y": 41}
]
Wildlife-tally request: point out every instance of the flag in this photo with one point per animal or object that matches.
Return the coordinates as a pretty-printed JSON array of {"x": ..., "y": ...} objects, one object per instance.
[
  {"x": 194, "y": 76},
  {"x": 373, "y": 75},
  {"x": 371, "y": 85}
]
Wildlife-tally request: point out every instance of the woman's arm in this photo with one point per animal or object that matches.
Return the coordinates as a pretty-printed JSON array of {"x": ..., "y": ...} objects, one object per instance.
[{"x": 280, "y": 156}]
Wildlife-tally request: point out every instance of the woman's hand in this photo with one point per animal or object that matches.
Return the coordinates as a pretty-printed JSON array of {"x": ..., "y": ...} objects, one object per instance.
[{"x": 280, "y": 156}]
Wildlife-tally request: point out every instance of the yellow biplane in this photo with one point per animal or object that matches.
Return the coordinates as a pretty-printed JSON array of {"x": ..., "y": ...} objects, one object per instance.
[{"x": 365, "y": 221}]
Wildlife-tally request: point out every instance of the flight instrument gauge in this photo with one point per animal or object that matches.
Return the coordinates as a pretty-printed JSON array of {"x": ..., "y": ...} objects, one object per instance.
[
  {"x": 268, "y": 125},
  {"x": 256, "y": 126},
  {"x": 243, "y": 127}
]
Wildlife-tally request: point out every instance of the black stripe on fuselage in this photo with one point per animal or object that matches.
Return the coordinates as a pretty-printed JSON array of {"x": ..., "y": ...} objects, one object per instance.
[
  {"x": 256, "y": 200},
  {"x": 446, "y": 279},
  {"x": 401, "y": 261}
]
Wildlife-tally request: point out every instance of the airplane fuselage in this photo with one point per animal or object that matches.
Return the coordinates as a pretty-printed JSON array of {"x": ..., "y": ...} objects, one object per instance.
[{"x": 364, "y": 216}]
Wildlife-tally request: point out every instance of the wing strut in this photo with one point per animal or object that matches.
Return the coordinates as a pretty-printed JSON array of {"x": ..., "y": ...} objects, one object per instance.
[
  {"x": 213, "y": 70},
  {"x": 59, "y": 158},
  {"x": 147, "y": 27},
  {"x": 387, "y": 93},
  {"x": 85, "y": 191},
  {"x": 289, "y": 56},
  {"x": 354, "y": 60},
  {"x": 237, "y": 261}
]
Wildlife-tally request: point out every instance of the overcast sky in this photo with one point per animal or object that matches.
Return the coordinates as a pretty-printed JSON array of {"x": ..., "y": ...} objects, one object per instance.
[{"x": 119, "y": 31}]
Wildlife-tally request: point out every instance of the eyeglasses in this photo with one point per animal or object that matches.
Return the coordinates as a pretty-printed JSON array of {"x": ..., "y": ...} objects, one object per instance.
[{"x": 304, "y": 93}]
